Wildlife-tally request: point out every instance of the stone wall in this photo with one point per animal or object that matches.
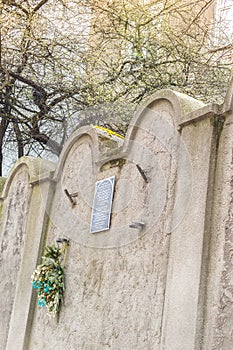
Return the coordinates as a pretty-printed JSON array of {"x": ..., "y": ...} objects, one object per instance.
[{"x": 165, "y": 283}]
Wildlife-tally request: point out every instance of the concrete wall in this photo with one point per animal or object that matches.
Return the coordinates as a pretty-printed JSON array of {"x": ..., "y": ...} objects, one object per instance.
[{"x": 167, "y": 285}]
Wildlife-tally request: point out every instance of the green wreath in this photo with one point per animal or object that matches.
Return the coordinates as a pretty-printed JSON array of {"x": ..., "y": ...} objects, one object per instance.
[{"x": 48, "y": 278}]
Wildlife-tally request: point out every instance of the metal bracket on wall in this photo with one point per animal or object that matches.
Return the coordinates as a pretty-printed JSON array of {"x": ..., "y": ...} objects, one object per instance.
[
  {"x": 142, "y": 173},
  {"x": 71, "y": 197},
  {"x": 138, "y": 225}
]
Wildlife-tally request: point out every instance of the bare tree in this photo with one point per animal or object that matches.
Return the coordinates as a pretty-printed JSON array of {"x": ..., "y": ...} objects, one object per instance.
[
  {"x": 80, "y": 61},
  {"x": 159, "y": 44},
  {"x": 41, "y": 69}
]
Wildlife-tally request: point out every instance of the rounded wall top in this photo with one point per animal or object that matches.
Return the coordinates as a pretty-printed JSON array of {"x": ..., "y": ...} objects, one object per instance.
[
  {"x": 37, "y": 169},
  {"x": 181, "y": 104},
  {"x": 85, "y": 131}
]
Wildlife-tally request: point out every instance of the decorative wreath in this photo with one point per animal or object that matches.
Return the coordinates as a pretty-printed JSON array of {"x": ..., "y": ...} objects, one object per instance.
[{"x": 48, "y": 278}]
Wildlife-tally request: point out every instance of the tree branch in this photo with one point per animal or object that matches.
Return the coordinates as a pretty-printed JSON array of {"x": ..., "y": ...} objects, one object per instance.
[
  {"x": 28, "y": 82},
  {"x": 13, "y": 3},
  {"x": 38, "y": 6}
]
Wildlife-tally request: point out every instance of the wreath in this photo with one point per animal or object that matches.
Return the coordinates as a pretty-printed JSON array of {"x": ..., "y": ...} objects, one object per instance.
[{"x": 48, "y": 279}]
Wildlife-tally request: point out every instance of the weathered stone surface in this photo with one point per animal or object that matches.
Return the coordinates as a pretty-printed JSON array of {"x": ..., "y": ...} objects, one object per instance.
[
  {"x": 186, "y": 249},
  {"x": 219, "y": 301},
  {"x": 12, "y": 241},
  {"x": 114, "y": 297}
]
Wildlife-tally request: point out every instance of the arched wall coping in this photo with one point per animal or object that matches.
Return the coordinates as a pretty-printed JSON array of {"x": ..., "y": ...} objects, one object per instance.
[
  {"x": 181, "y": 104},
  {"x": 185, "y": 109},
  {"x": 84, "y": 131},
  {"x": 37, "y": 169},
  {"x": 207, "y": 110}
]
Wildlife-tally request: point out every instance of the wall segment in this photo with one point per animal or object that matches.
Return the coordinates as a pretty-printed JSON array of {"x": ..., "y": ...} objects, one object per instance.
[{"x": 154, "y": 287}]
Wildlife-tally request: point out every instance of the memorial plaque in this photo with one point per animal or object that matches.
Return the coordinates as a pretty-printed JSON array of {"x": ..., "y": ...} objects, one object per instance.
[{"x": 102, "y": 205}]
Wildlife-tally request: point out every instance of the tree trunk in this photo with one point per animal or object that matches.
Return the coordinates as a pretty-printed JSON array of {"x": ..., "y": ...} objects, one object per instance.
[
  {"x": 19, "y": 139},
  {"x": 3, "y": 127}
]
